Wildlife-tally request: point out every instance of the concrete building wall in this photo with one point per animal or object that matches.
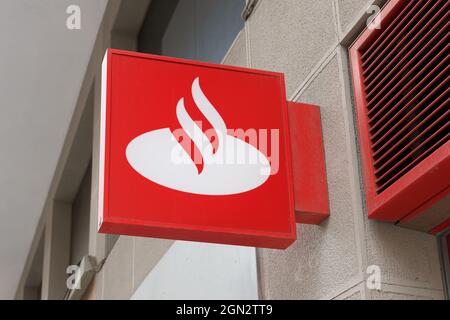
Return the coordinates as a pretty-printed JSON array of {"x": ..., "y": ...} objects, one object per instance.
[
  {"x": 41, "y": 69},
  {"x": 308, "y": 41},
  {"x": 79, "y": 238},
  {"x": 331, "y": 260},
  {"x": 192, "y": 270}
]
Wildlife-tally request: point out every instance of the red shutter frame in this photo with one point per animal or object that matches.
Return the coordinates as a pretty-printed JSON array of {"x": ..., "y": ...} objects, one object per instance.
[{"x": 428, "y": 180}]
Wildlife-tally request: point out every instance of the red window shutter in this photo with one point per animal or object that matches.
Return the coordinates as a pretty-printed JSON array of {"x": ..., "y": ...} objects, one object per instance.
[{"x": 401, "y": 84}]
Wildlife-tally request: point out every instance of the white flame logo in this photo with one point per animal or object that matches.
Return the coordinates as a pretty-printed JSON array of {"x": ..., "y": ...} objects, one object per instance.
[{"x": 233, "y": 167}]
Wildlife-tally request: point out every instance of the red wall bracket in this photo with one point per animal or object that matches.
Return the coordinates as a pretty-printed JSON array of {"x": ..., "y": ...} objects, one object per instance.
[{"x": 308, "y": 164}]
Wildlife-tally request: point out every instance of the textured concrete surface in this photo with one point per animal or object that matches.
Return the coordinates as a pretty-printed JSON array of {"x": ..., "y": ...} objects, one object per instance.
[
  {"x": 90, "y": 292},
  {"x": 95, "y": 288},
  {"x": 327, "y": 261},
  {"x": 391, "y": 292},
  {"x": 431, "y": 217},
  {"x": 291, "y": 36},
  {"x": 147, "y": 253},
  {"x": 79, "y": 242},
  {"x": 354, "y": 293},
  {"x": 98, "y": 285},
  {"x": 118, "y": 270},
  {"x": 56, "y": 251},
  {"x": 237, "y": 54},
  {"x": 202, "y": 29},
  {"x": 42, "y": 67},
  {"x": 406, "y": 257},
  {"x": 127, "y": 265},
  {"x": 349, "y": 9},
  {"x": 324, "y": 258}
]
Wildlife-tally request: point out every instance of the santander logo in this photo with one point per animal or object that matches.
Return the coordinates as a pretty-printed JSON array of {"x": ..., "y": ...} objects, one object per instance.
[{"x": 228, "y": 166}]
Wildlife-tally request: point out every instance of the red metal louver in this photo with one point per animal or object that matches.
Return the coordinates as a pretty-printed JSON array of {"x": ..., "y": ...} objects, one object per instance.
[{"x": 401, "y": 84}]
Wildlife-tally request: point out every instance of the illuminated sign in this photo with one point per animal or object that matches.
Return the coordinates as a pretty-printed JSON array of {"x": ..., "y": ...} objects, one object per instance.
[{"x": 194, "y": 151}]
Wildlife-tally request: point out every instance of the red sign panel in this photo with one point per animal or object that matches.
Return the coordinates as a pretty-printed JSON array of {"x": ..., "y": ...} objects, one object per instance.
[{"x": 194, "y": 151}]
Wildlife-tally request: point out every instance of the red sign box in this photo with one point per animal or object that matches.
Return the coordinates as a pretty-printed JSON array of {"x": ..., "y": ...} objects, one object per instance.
[{"x": 194, "y": 151}]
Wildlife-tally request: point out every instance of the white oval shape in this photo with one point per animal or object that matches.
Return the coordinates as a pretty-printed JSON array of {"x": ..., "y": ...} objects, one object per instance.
[
  {"x": 235, "y": 167},
  {"x": 151, "y": 155}
]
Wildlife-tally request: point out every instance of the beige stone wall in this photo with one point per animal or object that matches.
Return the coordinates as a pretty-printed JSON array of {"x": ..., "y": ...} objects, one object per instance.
[{"x": 308, "y": 40}]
